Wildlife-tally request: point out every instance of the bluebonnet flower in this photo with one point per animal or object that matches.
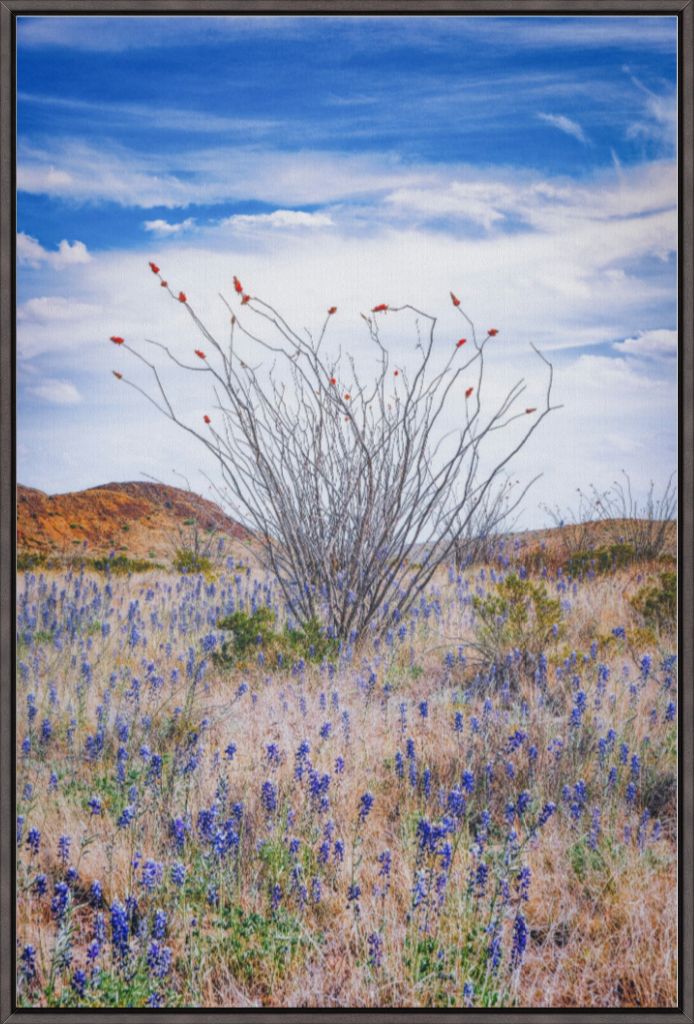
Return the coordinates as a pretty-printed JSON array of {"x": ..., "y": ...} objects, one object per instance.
[
  {"x": 52, "y": 782},
  {"x": 468, "y": 994},
  {"x": 94, "y": 805},
  {"x": 424, "y": 708},
  {"x": 670, "y": 712},
  {"x": 268, "y": 797},
  {"x": 34, "y": 840},
  {"x": 325, "y": 730},
  {"x": 158, "y": 959},
  {"x": 159, "y": 924},
  {"x": 40, "y": 884},
  {"x": 339, "y": 765},
  {"x": 178, "y": 873},
  {"x": 28, "y": 963},
  {"x": 468, "y": 781},
  {"x": 96, "y": 894},
  {"x": 60, "y": 900},
  {"x": 78, "y": 983},
  {"x": 375, "y": 944},
  {"x": 64, "y": 848},
  {"x": 152, "y": 873},
  {"x": 520, "y": 940},
  {"x": 126, "y": 818},
  {"x": 275, "y": 896},
  {"x": 177, "y": 830},
  {"x": 230, "y": 751},
  {"x": 458, "y": 722},
  {"x": 339, "y": 850},
  {"x": 635, "y": 766},
  {"x": 385, "y": 860},
  {"x": 619, "y": 632},
  {"x": 630, "y": 794},
  {"x": 273, "y": 755},
  {"x": 546, "y": 813},
  {"x": 316, "y": 889}
]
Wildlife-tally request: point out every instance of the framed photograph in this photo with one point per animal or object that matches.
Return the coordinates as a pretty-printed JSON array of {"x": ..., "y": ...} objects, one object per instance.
[{"x": 346, "y": 495}]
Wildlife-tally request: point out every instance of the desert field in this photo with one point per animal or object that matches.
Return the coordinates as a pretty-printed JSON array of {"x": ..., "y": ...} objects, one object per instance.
[{"x": 475, "y": 806}]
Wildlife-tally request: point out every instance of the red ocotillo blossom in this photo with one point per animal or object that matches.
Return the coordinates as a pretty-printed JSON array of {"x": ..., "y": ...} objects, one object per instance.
[
  {"x": 117, "y": 375},
  {"x": 459, "y": 344},
  {"x": 347, "y": 397},
  {"x": 333, "y": 309},
  {"x": 527, "y": 411},
  {"x": 245, "y": 299},
  {"x": 153, "y": 267},
  {"x": 116, "y": 340},
  {"x": 381, "y": 308},
  {"x": 468, "y": 392},
  {"x": 333, "y": 380},
  {"x": 455, "y": 300},
  {"x": 199, "y": 354},
  {"x": 182, "y": 297},
  {"x": 165, "y": 284},
  {"x": 207, "y": 419},
  {"x": 492, "y": 332},
  {"x": 238, "y": 287},
  {"x": 396, "y": 373}
]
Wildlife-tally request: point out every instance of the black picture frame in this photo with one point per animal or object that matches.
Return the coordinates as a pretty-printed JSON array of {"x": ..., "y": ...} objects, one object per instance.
[{"x": 684, "y": 11}]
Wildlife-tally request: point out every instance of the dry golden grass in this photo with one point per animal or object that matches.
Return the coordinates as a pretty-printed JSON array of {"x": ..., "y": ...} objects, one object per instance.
[{"x": 602, "y": 925}]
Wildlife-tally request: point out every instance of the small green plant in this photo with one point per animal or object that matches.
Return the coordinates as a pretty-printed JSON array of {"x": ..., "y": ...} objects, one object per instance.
[
  {"x": 601, "y": 560},
  {"x": 28, "y": 560},
  {"x": 657, "y": 603},
  {"x": 256, "y": 632},
  {"x": 121, "y": 565},
  {"x": 187, "y": 560},
  {"x": 518, "y": 615}
]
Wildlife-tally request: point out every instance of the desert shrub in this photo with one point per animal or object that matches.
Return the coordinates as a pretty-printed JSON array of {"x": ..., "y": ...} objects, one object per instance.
[
  {"x": 656, "y": 603},
  {"x": 188, "y": 560},
  {"x": 339, "y": 480},
  {"x": 601, "y": 560},
  {"x": 121, "y": 565},
  {"x": 256, "y": 632},
  {"x": 28, "y": 560},
  {"x": 518, "y": 615}
]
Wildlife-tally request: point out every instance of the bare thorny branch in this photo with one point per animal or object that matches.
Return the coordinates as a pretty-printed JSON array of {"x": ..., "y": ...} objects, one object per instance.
[{"x": 345, "y": 485}]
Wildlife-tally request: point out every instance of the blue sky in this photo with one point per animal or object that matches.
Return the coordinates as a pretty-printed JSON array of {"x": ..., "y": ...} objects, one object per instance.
[{"x": 527, "y": 162}]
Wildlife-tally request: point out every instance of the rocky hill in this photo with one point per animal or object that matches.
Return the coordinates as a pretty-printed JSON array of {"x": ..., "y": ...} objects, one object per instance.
[{"x": 139, "y": 520}]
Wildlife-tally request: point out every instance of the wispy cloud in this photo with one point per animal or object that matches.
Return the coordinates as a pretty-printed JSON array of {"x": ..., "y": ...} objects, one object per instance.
[
  {"x": 56, "y": 392},
  {"x": 656, "y": 344},
  {"x": 279, "y": 219},
  {"x": 566, "y": 125},
  {"x": 31, "y": 253},
  {"x": 163, "y": 228}
]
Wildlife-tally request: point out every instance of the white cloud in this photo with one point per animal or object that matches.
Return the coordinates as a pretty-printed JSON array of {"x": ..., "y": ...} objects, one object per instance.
[
  {"x": 164, "y": 228},
  {"x": 279, "y": 219},
  {"x": 52, "y": 309},
  {"x": 86, "y": 173},
  {"x": 31, "y": 253},
  {"x": 566, "y": 125},
  {"x": 584, "y": 271},
  {"x": 57, "y": 392},
  {"x": 649, "y": 344}
]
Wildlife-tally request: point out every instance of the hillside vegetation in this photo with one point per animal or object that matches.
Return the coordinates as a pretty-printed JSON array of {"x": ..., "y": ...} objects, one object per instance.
[{"x": 476, "y": 807}]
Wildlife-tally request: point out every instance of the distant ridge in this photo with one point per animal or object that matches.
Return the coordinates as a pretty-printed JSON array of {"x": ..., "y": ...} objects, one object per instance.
[{"x": 137, "y": 519}]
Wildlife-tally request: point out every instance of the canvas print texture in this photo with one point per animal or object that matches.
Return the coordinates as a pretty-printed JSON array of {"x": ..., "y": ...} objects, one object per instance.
[{"x": 346, "y": 512}]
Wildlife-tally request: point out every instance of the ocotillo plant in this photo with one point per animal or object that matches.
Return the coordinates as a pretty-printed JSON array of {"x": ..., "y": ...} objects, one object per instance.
[{"x": 352, "y": 487}]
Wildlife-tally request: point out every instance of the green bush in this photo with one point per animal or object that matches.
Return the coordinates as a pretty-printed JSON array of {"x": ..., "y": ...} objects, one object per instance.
[
  {"x": 256, "y": 632},
  {"x": 657, "y": 603},
  {"x": 601, "y": 560},
  {"x": 187, "y": 560},
  {"x": 518, "y": 615},
  {"x": 121, "y": 565},
  {"x": 28, "y": 560}
]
